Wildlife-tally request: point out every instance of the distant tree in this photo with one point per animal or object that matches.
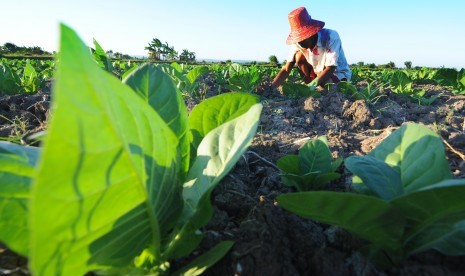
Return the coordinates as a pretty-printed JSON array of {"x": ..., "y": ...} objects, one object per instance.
[
  {"x": 273, "y": 60},
  {"x": 10, "y": 47},
  {"x": 186, "y": 55},
  {"x": 191, "y": 56},
  {"x": 35, "y": 50},
  {"x": 109, "y": 53},
  {"x": 408, "y": 64},
  {"x": 173, "y": 55},
  {"x": 371, "y": 65},
  {"x": 390, "y": 64},
  {"x": 228, "y": 61},
  {"x": 154, "y": 48},
  {"x": 361, "y": 63}
]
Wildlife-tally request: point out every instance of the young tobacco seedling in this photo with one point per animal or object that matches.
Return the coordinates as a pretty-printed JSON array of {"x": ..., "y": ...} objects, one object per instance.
[
  {"x": 402, "y": 84},
  {"x": 185, "y": 79},
  {"x": 312, "y": 168},
  {"x": 406, "y": 201},
  {"x": 371, "y": 93},
  {"x": 114, "y": 190},
  {"x": 451, "y": 77},
  {"x": 300, "y": 90},
  {"x": 243, "y": 79}
]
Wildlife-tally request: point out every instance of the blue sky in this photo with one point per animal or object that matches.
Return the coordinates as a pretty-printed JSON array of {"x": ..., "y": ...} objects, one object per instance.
[{"x": 428, "y": 33}]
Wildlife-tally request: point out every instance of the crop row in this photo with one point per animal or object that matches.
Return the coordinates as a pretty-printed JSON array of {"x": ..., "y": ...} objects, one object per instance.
[{"x": 29, "y": 76}]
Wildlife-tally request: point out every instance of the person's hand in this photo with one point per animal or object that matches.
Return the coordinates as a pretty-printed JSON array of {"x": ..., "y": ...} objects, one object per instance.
[{"x": 319, "y": 88}]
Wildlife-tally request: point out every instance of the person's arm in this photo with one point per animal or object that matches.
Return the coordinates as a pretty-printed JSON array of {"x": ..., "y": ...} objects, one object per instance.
[
  {"x": 282, "y": 74},
  {"x": 324, "y": 75}
]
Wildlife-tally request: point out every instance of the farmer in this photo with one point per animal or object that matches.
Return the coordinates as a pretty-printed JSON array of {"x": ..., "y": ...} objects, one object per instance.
[{"x": 316, "y": 51}]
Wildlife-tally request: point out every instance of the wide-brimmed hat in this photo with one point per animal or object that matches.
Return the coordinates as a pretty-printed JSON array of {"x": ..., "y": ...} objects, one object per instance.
[{"x": 302, "y": 25}]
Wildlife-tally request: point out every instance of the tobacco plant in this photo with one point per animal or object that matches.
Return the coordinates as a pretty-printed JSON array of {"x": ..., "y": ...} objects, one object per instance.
[
  {"x": 312, "y": 168},
  {"x": 186, "y": 79},
  {"x": 371, "y": 93},
  {"x": 402, "y": 84},
  {"x": 300, "y": 90},
  {"x": 407, "y": 201},
  {"x": 101, "y": 57},
  {"x": 244, "y": 79},
  {"x": 451, "y": 77},
  {"x": 113, "y": 190}
]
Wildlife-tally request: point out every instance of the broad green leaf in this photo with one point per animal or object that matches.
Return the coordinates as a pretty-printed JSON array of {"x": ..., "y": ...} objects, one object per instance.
[
  {"x": 101, "y": 57},
  {"x": 30, "y": 80},
  {"x": 347, "y": 87},
  {"x": 460, "y": 82},
  {"x": 157, "y": 89},
  {"x": 204, "y": 261},
  {"x": 383, "y": 180},
  {"x": 115, "y": 192},
  {"x": 401, "y": 82},
  {"x": 243, "y": 82},
  {"x": 336, "y": 164},
  {"x": 445, "y": 235},
  {"x": 303, "y": 182},
  {"x": 216, "y": 156},
  {"x": 436, "y": 213},
  {"x": 177, "y": 66},
  {"x": 419, "y": 154},
  {"x": 315, "y": 156},
  {"x": 289, "y": 164},
  {"x": 299, "y": 90},
  {"x": 215, "y": 111},
  {"x": 218, "y": 153},
  {"x": 367, "y": 217},
  {"x": 16, "y": 173},
  {"x": 321, "y": 179},
  {"x": 9, "y": 80},
  {"x": 196, "y": 72},
  {"x": 429, "y": 202},
  {"x": 446, "y": 77}
]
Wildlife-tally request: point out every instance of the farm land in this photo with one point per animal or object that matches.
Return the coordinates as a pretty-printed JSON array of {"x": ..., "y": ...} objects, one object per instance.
[{"x": 267, "y": 239}]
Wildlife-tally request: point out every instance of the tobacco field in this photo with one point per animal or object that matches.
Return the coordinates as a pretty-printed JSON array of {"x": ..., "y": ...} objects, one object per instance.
[{"x": 117, "y": 168}]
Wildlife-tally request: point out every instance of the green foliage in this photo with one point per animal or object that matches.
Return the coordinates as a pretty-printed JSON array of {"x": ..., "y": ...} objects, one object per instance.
[
  {"x": 16, "y": 172},
  {"x": 446, "y": 77},
  {"x": 115, "y": 168},
  {"x": 244, "y": 79},
  {"x": 216, "y": 111},
  {"x": 402, "y": 84},
  {"x": 408, "y": 64},
  {"x": 101, "y": 57},
  {"x": 312, "y": 168},
  {"x": 24, "y": 76},
  {"x": 11, "y": 48},
  {"x": 273, "y": 60},
  {"x": 407, "y": 201},
  {"x": 185, "y": 78},
  {"x": 31, "y": 81},
  {"x": 300, "y": 90},
  {"x": 452, "y": 78},
  {"x": 461, "y": 82},
  {"x": 9, "y": 80},
  {"x": 371, "y": 93}
]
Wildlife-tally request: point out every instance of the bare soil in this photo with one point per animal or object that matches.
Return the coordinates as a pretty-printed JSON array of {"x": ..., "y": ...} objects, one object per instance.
[{"x": 267, "y": 239}]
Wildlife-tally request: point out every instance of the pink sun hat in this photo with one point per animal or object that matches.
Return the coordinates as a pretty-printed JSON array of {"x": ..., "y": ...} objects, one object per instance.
[{"x": 302, "y": 25}]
